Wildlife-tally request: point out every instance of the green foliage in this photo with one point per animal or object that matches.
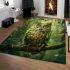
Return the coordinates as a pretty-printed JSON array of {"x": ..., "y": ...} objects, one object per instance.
[
  {"x": 36, "y": 35},
  {"x": 57, "y": 36}
]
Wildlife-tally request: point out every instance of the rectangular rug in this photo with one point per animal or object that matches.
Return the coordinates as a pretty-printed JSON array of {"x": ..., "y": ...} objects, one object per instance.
[{"x": 38, "y": 38}]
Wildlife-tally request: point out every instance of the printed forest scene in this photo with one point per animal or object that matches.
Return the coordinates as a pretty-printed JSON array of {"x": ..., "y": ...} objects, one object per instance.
[{"x": 38, "y": 38}]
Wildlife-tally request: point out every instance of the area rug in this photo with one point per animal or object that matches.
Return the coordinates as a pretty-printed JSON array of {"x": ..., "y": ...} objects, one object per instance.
[{"x": 38, "y": 38}]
